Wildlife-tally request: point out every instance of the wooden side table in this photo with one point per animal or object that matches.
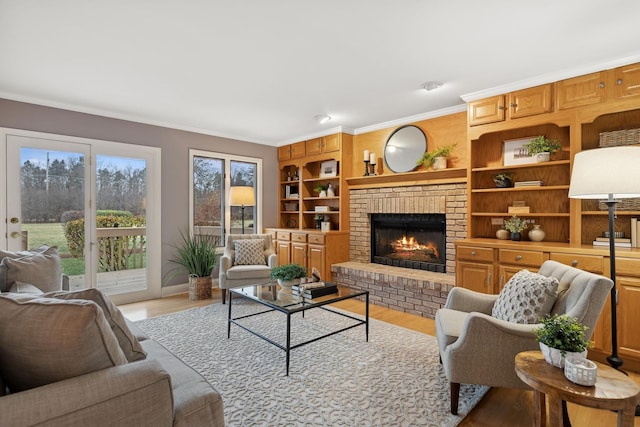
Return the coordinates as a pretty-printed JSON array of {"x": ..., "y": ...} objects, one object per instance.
[{"x": 613, "y": 390}]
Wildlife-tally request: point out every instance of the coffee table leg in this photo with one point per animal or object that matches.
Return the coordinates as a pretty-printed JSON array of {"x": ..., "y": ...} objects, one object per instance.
[
  {"x": 288, "y": 340},
  {"x": 556, "y": 414},
  {"x": 366, "y": 325},
  {"x": 229, "y": 318}
]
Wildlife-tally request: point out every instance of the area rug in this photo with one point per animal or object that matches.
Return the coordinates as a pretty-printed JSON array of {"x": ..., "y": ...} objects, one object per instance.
[{"x": 394, "y": 379}]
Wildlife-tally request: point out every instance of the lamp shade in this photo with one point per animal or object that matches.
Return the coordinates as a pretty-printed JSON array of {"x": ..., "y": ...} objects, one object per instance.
[
  {"x": 242, "y": 196},
  {"x": 604, "y": 172}
]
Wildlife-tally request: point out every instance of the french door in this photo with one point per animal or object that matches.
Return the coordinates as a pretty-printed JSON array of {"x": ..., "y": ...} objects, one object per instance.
[{"x": 92, "y": 200}]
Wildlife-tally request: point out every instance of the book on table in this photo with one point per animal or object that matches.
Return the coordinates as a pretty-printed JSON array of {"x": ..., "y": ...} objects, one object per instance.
[{"x": 314, "y": 290}]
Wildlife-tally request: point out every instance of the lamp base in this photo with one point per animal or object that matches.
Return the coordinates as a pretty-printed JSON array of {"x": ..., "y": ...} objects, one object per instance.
[{"x": 615, "y": 362}]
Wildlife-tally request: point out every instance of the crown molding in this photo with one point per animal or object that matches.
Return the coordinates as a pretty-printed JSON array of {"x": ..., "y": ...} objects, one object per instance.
[
  {"x": 411, "y": 119},
  {"x": 551, "y": 77}
]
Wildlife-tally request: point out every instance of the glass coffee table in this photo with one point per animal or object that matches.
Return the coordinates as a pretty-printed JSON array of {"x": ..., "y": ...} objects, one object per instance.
[{"x": 288, "y": 304}]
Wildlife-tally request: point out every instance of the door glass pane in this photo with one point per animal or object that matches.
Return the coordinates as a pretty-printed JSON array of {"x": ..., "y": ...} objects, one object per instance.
[
  {"x": 243, "y": 174},
  {"x": 208, "y": 202},
  {"x": 121, "y": 224},
  {"x": 52, "y": 204}
]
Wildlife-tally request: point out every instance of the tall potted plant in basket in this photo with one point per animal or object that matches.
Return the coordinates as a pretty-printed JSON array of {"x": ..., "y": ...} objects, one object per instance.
[
  {"x": 560, "y": 337},
  {"x": 196, "y": 255}
]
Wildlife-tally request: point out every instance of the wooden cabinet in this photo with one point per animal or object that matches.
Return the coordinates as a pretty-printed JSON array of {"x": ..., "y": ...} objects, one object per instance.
[
  {"x": 291, "y": 151},
  {"x": 627, "y": 81},
  {"x": 312, "y": 249},
  {"x": 510, "y": 261},
  {"x": 322, "y": 165},
  {"x": 475, "y": 269},
  {"x": 514, "y": 105}
]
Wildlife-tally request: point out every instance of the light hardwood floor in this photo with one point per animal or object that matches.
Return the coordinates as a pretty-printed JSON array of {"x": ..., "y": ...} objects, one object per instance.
[{"x": 499, "y": 407}]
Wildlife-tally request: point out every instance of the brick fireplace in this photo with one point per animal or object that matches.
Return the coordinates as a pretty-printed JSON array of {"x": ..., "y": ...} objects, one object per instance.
[{"x": 403, "y": 289}]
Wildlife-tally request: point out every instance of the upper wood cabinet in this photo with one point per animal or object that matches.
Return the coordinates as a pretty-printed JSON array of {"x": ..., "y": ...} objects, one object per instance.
[
  {"x": 627, "y": 81},
  {"x": 326, "y": 144},
  {"x": 581, "y": 90},
  {"x": 521, "y": 103},
  {"x": 291, "y": 151}
]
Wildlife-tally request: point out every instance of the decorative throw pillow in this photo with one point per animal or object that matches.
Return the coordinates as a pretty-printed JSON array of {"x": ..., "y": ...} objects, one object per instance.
[
  {"x": 41, "y": 269},
  {"x": 526, "y": 298},
  {"x": 249, "y": 252},
  {"x": 127, "y": 341},
  {"x": 45, "y": 340}
]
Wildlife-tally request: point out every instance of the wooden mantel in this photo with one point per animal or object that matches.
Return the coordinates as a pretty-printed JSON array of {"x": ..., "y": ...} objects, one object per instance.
[{"x": 442, "y": 176}]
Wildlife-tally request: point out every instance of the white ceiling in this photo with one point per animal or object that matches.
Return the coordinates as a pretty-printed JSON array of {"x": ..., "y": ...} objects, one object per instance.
[{"x": 260, "y": 70}]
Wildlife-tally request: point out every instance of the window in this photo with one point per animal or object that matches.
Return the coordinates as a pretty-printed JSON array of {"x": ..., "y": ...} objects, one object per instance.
[{"x": 211, "y": 177}]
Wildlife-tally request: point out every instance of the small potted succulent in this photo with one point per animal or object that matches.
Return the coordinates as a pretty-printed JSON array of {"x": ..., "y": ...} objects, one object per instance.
[
  {"x": 516, "y": 226},
  {"x": 542, "y": 148},
  {"x": 321, "y": 189},
  {"x": 503, "y": 180},
  {"x": 560, "y": 337},
  {"x": 286, "y": 274}
]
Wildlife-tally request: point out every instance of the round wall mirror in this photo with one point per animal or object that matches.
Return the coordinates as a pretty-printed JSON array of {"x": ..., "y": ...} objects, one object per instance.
[{"x": 404, "y": 148}]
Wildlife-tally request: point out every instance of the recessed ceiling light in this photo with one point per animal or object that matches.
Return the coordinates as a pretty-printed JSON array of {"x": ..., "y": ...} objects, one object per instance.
[
  {"x": 432, "y": 85},
  {"x": 322, "y": 118}
]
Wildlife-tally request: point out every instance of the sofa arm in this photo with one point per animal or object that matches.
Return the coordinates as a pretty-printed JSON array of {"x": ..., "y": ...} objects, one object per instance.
[
  {"x": 272, "y": 260},
  {"x": 138, "y": 393},
  {"x": 225, "y": 264},
  {"x": 466, "y": 300}
]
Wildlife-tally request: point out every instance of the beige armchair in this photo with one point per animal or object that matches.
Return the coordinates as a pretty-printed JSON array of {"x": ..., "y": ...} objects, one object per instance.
[
  {"x": 476, "y": 348},
  {"x": 236, "y": 272}
]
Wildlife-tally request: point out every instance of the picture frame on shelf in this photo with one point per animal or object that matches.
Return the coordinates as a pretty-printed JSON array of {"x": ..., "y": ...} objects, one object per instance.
[
  {"x": 514, "y": 153},
  {"x": 329, "y": 169}
]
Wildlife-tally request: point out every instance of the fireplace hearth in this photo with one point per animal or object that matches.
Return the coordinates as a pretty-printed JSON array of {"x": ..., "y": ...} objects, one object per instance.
[{"x": 415, "y": 241}]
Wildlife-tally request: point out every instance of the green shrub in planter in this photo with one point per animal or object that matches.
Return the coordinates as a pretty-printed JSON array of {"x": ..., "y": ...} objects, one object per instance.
[
  {"x": 564, "y": 333},
  {"x": 288, "y": 272}
]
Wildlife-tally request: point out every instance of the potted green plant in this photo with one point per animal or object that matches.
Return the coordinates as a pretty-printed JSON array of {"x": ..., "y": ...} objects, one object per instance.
[
  {"x": 196, "y": 255},
  {"x": 287, "y": 273},
  {"x": 436, "y": 159},
  {"x": 516, "y": 226},
  {"x": 321, "y": 189},
  {"x": 560, "y": 337},
  {"x": 542, "y": 148},
  {"x": 317, "y": 218},
  {"x": 503, "y": 180}
]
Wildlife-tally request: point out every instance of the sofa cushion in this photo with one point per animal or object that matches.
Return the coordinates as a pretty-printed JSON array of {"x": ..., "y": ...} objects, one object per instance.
[
  {"x": 249, "y": 272},
  {"x": 25, "y": 288},
  {"x": 525, "y": 298},
  {"x": 45, "y": 340},
  {"x": 127, "y": 340},
  {"x": 40, "y": 268},
  {"x": 249, "y": 252}
]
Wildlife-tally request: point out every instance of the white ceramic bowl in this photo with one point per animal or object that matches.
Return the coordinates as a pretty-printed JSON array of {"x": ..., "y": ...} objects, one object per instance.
[{"x": 580, "y": 371}]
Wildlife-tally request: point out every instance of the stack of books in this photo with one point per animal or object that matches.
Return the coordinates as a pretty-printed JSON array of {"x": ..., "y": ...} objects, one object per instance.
[
  {"x": 620, "y": 242},
  {"x": 528, "y": 184},
  {"x": 314, "y": 289}
]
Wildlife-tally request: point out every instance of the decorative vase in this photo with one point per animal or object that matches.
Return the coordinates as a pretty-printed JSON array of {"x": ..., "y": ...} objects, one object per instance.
[
  {"x": 285, "y": 286},
  {"x": 318, "y": 224},
  {"x": 536, "y": 234},
  {"x": 502, "y": 234},
  {"x": 554, "y": 357},
  {"x": 323, "y": 193},
  {"x": 543, "y": 157},
  {"x": 516, "y": 237},
  {"x": 439, "y": 163},
  {"x": 330, "y": 192}
]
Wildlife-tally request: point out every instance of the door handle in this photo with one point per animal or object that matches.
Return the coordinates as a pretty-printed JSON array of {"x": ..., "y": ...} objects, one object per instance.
[
  {"x": 16, "y": 235},
  {"x": 14, "y": 220}
]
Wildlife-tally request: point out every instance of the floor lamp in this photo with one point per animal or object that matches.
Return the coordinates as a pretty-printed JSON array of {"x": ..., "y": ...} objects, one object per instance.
[
  {"x": 242, "y": 196},
  {"x": 611, "y": 174}
]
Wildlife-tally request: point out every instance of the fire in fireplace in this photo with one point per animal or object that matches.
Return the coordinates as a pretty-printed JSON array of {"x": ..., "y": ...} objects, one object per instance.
[{"x": 409, "y": 240}]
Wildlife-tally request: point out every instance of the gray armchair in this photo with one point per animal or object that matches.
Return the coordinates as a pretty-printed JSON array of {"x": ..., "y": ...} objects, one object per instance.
[
  {"x": 476, "y": 348},
  {"x": 234, "y": 276}
]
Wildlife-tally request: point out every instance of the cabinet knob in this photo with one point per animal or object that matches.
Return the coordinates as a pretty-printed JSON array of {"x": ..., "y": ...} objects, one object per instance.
[
  {"x": 473, "y": 253},
  {"x": 514, "y": 105},
  {"x": 601, "y": 85},
  {"x": 501, "y": 107},
  {"x": 574, "y": 263},
  {"x": 518, "y": 258},
  {"x": 619, "y": 82}
]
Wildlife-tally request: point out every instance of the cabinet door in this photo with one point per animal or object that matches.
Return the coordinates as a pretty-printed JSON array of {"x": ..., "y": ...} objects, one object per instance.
[
  {"x": 284, "y": 253},
  {"x": 475, "y": 276},
  {"x": 489, "y": 110},
  {"x": 506, "y": 272},
  {"x": 299, "y": 253},
  {"x": 298, "y": 150},
  {"x": 532, "y": 101},
  {"x": 314, "y": 146},
  {"x": 628, "y": 317},
  {"x": 316, "y": 259},
  {"x": 627, "y": 81},
  {"x": 331, "y": 143},
  {"x": 582, "y": 90},
  {"x": 284, "y": 153}
]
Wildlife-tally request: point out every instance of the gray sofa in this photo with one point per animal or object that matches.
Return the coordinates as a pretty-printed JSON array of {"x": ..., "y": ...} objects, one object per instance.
[{"x": 72, "y": 359}]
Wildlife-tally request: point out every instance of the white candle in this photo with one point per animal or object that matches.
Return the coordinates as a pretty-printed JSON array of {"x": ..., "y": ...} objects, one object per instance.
[
  {"x": 366, "y": 155},
  {"x": 373, "y": 158}
]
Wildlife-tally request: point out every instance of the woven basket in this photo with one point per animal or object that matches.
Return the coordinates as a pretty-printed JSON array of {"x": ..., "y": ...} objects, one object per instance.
[
  {"x": 199, "y": 287},
  {"x": 620, "y": 137},
  {"x": 622, "y": 205}
]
